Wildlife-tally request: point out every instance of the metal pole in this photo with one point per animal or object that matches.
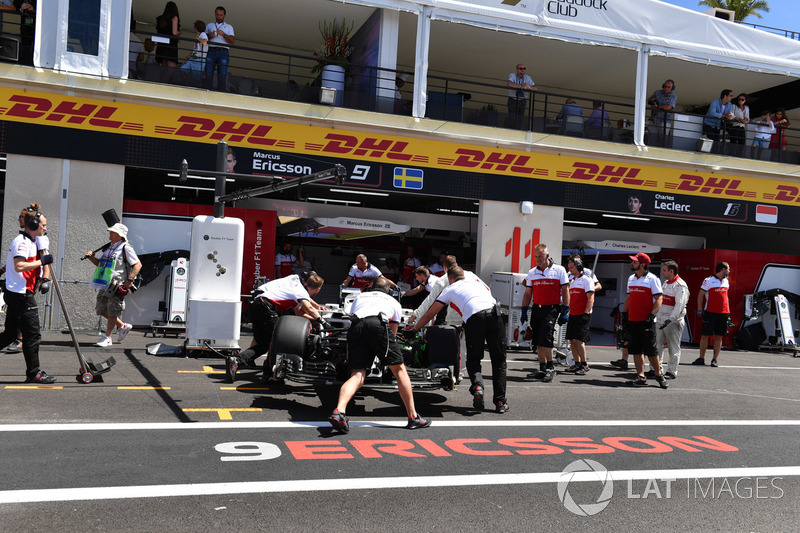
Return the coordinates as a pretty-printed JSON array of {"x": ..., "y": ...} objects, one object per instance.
[
  {"x": 83, "y": 365},
  {"x": 219, "y": 184}
]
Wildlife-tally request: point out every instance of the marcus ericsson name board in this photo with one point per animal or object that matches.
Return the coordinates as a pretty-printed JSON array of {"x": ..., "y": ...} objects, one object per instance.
[{"x": 270, "y": 162}]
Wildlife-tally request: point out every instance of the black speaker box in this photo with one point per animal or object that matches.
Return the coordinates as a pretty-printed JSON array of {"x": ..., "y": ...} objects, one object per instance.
[
  {"x": 752, "y": 336},
  {"x": 9, "y": 48}
]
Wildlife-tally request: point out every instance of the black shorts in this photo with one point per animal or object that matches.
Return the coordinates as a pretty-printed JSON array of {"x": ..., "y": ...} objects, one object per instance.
[
  {"x": 578, "y": 327},
  {"x": 369, "y": 337},
  {"x": 642, "y": 338},
  {"x": 543, "y": 323},
  {"x": 714, "y": 324}
]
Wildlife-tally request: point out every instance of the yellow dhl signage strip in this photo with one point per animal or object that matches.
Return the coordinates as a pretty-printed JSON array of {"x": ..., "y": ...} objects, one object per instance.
[{"x": 159, "y": 122}]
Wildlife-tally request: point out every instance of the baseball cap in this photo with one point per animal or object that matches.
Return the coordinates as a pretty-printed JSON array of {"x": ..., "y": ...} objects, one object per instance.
[
  {"x": 642, "y": 257},
  {"x": 120, "y": 229}
]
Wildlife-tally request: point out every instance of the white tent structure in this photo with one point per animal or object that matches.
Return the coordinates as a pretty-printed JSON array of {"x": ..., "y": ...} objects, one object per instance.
[{"x": 648, "y": 27}]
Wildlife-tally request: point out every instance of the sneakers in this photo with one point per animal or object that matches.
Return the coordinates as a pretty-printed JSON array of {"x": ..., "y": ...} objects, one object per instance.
[
  {"x": 340, "y": 422},
  {"x": 417, "y": 423},
  {"x": 231, "y": 366},
  {"x": 699, "y": 361},
  {"x": 549, "y": 374},
  {"x": 662, "y": 382},
  {"x": 574, "y": 368},
  {"x": 585, "y": 367},
  {"x": 670, "y": 375},
  {"x": 14, "y": 347},
  {"x": 123, "y": 331},
  {"x": 620, "y": 363},
  {"x": 477, "y": 398},
  {"x": 539, "y": 374},
  {"x": 580, "y": 371},
  {"x": 41, "y": 377},
  {"x": 640, "y": 381},
  {"x": 714, "y": 363},
  {"x": 104, "y": 342},
  {"x": 500, "y": 407}
]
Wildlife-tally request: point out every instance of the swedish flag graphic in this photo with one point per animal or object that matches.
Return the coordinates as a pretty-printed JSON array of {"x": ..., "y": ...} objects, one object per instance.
[{"x": 407, "y": 178}]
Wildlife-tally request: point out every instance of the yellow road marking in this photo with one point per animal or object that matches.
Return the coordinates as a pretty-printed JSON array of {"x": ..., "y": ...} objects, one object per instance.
[
  {"x": 244, "y": 388},
  {"x": 144, "y": 388},
  {"x": 224, "y": 413},
  {"x": 206, "y": 370},
  {"x": 34, "y": 387}
]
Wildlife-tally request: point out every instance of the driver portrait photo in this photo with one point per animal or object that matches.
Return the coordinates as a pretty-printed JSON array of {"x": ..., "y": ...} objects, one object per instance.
[{"x": 634, "y": 205}]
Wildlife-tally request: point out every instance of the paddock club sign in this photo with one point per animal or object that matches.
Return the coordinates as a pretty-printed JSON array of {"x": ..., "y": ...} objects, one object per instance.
[{"x": 108, "y": 117}]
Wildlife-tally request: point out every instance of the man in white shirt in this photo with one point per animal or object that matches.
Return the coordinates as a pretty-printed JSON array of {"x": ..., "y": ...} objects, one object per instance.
[
  {"x": 375, "y": 317},
  {"x": 220, "y": 35}
]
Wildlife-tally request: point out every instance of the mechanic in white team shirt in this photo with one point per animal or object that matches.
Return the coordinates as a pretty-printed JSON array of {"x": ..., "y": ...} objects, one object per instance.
[
  {"x": 43, "y": 283},
  {"x": 435, "y": 288},
  {"x": 23, "y": 265},
  {"x": 586, "y": 272},
  {"x": 669, "y": 318},
  {"x": 362, "y": 273},
  {"x": 483, "y": 325},
  {"x": 374, "y": 317},
  {"x": 270, "y": 301}
]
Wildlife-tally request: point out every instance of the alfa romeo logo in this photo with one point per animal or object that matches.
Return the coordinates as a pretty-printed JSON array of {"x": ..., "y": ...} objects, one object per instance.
[{"x": 581, "y": 471}]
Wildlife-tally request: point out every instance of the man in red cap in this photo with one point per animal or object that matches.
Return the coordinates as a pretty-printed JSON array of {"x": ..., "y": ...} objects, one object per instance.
[{"x": 639, "y": 317}]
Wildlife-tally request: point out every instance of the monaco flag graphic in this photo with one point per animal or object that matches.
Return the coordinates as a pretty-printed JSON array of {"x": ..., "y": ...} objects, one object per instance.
[{"x": 768, "y": 214}]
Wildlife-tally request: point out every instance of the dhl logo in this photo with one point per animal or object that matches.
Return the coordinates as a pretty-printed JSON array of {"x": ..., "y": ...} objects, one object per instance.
[
  {"x": 113, "y": 117},
  {"x": 786, "y": 193},
  {"x": 711, "y": 185},
  {"x": 610, "y": 174}
]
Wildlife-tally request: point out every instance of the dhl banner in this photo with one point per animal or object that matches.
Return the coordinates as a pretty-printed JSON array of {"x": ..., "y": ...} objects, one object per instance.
[{"x": 407, "y": 156}]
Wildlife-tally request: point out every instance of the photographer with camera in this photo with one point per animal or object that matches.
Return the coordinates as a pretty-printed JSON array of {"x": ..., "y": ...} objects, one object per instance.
[
  {"x": 22, "y": 314},
  {"x": 118, "y": 267}
]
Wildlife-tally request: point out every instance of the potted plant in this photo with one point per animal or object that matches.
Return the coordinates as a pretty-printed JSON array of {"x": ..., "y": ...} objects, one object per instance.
[{"x": 335, "y": 47}]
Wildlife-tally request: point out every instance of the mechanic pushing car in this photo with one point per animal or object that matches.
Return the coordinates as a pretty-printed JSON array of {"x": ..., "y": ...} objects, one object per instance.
[
  {"x": 483, "y": 325},
  {"x": 270, "y": 300},
  {"x": 374, "y": 317}
]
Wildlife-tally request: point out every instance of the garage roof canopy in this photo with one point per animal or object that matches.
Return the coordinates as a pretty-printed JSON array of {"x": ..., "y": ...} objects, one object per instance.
[{"x": 662, "y": 29}]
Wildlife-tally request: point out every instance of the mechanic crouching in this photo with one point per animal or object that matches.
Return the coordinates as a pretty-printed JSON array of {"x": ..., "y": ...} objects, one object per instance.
[
  {"x": 375, "y": 317},
  {"x": 270, "y": 301}
]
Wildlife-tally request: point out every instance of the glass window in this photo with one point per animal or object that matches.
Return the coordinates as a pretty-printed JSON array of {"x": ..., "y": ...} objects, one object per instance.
[{"x": 84, "y": 26}]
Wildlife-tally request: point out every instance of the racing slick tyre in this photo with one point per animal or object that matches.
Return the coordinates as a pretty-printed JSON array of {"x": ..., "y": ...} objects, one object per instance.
[
  {"x": 443, "y": 345},
  {"x": 290, "y": 337}
]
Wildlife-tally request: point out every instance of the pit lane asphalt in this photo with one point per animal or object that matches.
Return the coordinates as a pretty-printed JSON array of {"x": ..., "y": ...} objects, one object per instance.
[{"x": 55, "y": 466}]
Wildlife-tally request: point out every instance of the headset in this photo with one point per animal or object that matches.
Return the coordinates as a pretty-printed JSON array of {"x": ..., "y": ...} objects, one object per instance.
[
  {"x": 673, "y": 84},
  {"x": 307, "y": 274},
  {"x": 578, "y": 263},
  {"x": 33, "y": 221}
]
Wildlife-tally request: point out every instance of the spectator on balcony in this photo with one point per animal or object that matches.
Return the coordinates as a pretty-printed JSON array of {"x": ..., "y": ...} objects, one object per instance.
[
  {"x": 661, "y": 103},
  {"x": 135, "y": 52},
  {"x": 168, "y": 23},
  {"x": 719, "y": 112},
  {"x": 519, "y": 85},
  {"x": 764, "y": 130},
  {"x": 599, "y": 116},
  {"x": 195, "y": 64},
  {"x": 781, "y": 123},
  {"x": 741, "y": 117},
  {"x": 27, "y": 29},
  {"x": 220, "y": 35},
  {"x": 570, "y": 108}
]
